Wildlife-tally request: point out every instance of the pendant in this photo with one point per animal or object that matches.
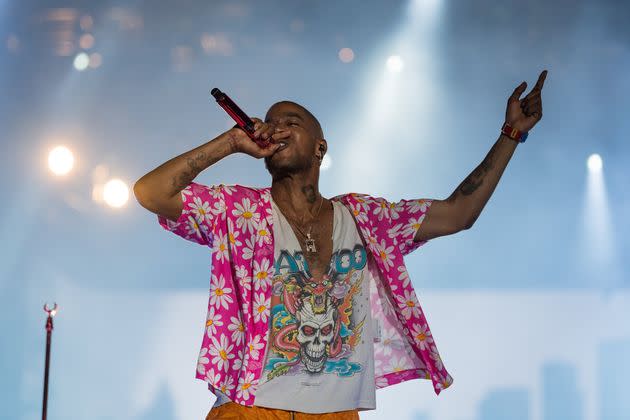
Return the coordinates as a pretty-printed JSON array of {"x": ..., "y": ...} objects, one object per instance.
[{"x": 310, "y": 244}]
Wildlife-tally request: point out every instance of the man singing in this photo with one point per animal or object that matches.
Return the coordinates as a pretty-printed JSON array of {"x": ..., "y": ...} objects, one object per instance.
[{"x": 311, "y": 307}]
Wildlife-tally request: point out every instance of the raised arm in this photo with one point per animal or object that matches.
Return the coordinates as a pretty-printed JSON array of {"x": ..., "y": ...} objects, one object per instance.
[
  {"x": 159, "y": 190},
  {"x": 462, "y": 208}
]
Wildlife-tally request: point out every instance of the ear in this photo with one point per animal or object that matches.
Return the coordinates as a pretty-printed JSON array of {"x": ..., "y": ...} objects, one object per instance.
[{"x": 322, "y": 147}]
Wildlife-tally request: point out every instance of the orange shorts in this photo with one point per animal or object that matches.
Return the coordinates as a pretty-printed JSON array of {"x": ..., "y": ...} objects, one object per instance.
[{"x": 234, "y": 411}]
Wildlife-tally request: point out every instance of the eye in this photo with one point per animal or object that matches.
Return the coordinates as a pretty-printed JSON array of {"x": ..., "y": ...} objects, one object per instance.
[
  {"x": 327, "y": 329},
  {"x": 307, "y": 330}
]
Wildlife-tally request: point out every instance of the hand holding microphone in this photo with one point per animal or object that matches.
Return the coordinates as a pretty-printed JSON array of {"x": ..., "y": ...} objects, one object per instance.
[
  {"x": 265, "y": 134},
  {"x": 254, "y": 137}
]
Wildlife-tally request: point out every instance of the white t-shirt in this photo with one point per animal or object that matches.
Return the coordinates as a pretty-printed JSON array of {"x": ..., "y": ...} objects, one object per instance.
[{"x": 320, "y": 353}]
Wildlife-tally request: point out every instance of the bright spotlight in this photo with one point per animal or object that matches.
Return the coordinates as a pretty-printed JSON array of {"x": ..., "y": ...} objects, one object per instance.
[
  {"x": 326, "y": 162},
  {"x": 60, "y": 160},
  {"x": 115, "y": 193},
  {"x": 395, "y": 64},
  {"x": 346, "y": 55},
  {"x": 81, "y": 61},
  {"x": 594, "y": 163}
]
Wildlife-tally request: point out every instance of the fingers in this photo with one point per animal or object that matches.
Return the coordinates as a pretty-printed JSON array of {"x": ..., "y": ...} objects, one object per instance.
[
  {"x": 268, "y": 151},
  {"x": 541, "y": 80},
  {"x": 280, "y": 134},
  {"x": 518, "y": 91}
]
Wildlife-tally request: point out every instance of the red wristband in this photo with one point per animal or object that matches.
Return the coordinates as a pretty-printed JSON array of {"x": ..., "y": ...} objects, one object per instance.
[{"x": 513, "y": 133}]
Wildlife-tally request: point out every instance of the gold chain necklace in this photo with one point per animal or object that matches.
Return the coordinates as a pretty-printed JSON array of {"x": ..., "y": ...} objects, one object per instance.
[{"x": 309, "y": 242}]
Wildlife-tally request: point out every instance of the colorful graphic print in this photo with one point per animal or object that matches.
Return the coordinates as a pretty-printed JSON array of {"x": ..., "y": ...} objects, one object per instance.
[{"x": 315, "y": 327}]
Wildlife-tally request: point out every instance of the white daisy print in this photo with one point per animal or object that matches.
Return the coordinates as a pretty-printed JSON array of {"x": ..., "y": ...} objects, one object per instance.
[
  {"x": 248, "y": 249},
  {"x": 213, "y": 377},
  {"x": 222, "y": 352},
  {"x": 215, "y": 191},
  {"x": 381, "y": 382},
  {"x": 246, "y": 214},
  {"x": 244, "y": 386},
  {"x": 358, "y": 213},
  {"x": 227, "y": 384},
  {"x": 213, "y": 320},
  {"x": 220, "y": 247},
  {"x": 385, "y": 252},
  {"x": 394, "y": 231},
  {"x": 200, "y": 208},
  {"x": 262, "y": 274},
  {"x": 255, "y": 346},
  {"x": 414, "y": 206},
  {"x": 394, "y": 210},
  {"x": 228, "y": 189},
  {"x": 409, "y": 303},
  {"x": 219, "y": 292},
  {"x": 397, "y": 364},
  {"x": 388, "y": 341},
  {"x": 233, "y": 235},
  {"x": 202, "y": 361},
  {"x": 238, "y": 361},
  {"x": 187, "y": 192},
  {"x": 422, "y": 336},
  {"x": 264, "y": 235},
  {"x": 218, "y": 209},
  {"x": 244, "y": 279},
  {"x": 238, "y": 330},
  {"x": 413, "y": 224},
  {"x": 192, "y": 227},
  {"x": 403, "y": 276},
  {"x": 261, "y": 308},
  {"x": 436, "y": 357},
  {"x": 382, "y": 210}
]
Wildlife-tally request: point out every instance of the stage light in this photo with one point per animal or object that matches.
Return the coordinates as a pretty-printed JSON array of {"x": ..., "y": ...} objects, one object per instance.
[
  {"x": 95, "y": 60},
  {"x": 326, "y": 162},
  {"x": 86, "y": 41},
  {"x": 395, "y": 64},
  {"x": 60, "y": 160},
  {"x": 594, "y": 163},
  {"x": 346, "y": 55},
  {"x": 81, "y": 61},
  {"x": 86, "y": 22},
  {"x": 115, "y": 193}
]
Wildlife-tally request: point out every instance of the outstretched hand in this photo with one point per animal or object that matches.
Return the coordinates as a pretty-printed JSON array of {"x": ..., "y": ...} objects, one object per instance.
[{"x": 524, "y": 114}]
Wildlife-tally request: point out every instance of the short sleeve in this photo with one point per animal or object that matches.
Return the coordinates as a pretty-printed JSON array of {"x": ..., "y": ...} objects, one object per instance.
[
  {"x": 200, "y": 207},
  {"x": 406, "y": 217}
]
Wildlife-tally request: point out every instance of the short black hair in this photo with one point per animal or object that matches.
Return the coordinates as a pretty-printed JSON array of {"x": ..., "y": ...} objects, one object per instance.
[{"x": 318, "y": 127}]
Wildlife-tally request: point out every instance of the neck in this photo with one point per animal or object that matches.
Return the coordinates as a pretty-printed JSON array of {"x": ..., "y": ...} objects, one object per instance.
[{"x": 298, "y": 194}]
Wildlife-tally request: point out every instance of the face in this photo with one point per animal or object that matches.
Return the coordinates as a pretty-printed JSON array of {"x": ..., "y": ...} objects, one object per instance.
[{"x": 302, "y": 145}]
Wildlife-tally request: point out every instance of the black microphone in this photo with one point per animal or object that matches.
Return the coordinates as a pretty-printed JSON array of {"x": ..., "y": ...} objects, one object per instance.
[{"x": 237, "y": 114}]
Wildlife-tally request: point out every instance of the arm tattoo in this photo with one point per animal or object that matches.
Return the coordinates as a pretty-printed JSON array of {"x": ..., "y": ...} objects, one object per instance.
[
  {"x": 195, "y": 165},
  {"x": 475, "y": 179}
]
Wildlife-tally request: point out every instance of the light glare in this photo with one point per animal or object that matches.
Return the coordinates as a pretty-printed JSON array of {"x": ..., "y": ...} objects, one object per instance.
[
  {"x": 395, "y": 64},
  {"x": 346, "y": 55},
  {"x": 115, "y": 193},
  {"x": 594, "y": 163},
  {"x": 81, "y": 61},
  {"x": 60, "y": 160},
  {"x": 326, "y": 162}
]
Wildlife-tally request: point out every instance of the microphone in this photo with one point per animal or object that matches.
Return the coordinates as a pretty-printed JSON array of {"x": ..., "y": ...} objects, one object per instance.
[{"x": 237, "y": 114}]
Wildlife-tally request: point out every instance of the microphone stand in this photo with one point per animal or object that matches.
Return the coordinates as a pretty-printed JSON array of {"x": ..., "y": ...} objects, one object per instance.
[{"x": 49, "y": 328}]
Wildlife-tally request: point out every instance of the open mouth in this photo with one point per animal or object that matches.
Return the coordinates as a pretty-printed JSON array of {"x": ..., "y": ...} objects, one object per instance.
[{"x": 283, "y": 145}]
